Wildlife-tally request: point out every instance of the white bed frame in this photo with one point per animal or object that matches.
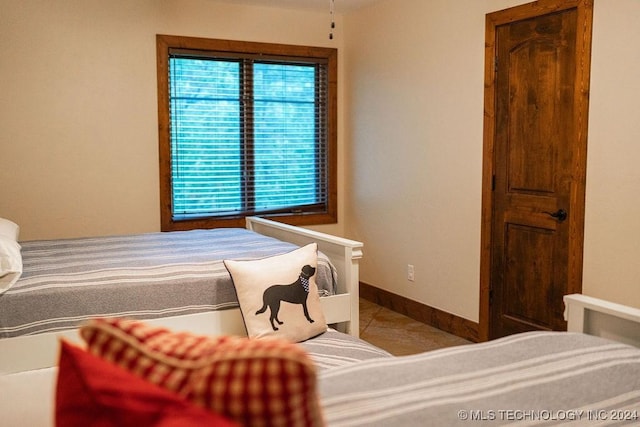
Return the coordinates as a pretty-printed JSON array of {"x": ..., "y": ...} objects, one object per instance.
[
  {"x": 602, "y": 318},
  {"x": 32, "y": 352}
]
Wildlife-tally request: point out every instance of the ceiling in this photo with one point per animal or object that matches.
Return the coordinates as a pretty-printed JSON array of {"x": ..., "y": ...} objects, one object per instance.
[{"x": 341, "y": 6}]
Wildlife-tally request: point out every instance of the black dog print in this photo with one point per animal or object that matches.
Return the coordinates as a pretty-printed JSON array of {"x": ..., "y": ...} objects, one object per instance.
[{"x": 295, "y": 293}]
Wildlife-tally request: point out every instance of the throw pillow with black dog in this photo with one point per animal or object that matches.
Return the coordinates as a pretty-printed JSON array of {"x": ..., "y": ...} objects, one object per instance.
[{"x": 278, "y": 295}]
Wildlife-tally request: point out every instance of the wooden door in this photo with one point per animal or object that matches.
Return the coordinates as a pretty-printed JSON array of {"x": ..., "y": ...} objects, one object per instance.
[{"x": 535, "y": 161}]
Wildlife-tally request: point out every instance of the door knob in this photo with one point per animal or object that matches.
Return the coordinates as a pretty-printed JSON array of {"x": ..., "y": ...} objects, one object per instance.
[{"x": 560, "y": 214}]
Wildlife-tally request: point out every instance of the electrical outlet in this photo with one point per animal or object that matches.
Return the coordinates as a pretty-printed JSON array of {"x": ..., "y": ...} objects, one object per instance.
[{"x": 410, "y": 273}]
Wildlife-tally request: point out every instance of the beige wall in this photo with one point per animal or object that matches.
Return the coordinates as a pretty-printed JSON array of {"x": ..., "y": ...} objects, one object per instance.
[
  {"x": 415, "y": 73},
  {"x": 78, "y": 112},
  {"x": 78, "y": 137},
  {"x": 612, "y": 232}
]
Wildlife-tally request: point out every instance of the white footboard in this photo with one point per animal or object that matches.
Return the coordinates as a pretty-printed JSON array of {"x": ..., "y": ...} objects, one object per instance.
[
  {"x": 345, "y": 255},
  {"x": 602, "y": 318}
]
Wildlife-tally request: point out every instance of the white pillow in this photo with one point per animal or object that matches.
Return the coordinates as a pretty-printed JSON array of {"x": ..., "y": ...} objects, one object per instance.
[
  {"x": 278, "y": 295},
  {"x": 9, "y": 229},
  {"x": 10, "y": 263}
]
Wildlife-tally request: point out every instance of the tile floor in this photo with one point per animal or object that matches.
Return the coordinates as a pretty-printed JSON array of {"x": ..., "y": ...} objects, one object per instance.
[{"x": 399, "y": 334}]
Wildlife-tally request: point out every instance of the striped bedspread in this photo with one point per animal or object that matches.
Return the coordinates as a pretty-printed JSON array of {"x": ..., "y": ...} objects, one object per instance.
[
  {"x": 538, "y": 378},
  {"x": 143, "y": 276},
  {"x": 335, "y": 349}
]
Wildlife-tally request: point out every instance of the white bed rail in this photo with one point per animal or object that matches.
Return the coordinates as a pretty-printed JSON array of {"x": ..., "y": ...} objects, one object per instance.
[
  {"x": 345, "y": 254},
  {"x": 602, "y": 318}
]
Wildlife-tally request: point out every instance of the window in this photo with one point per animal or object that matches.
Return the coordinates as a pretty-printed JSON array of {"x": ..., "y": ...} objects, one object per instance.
[{"x": 245, "y": 129}]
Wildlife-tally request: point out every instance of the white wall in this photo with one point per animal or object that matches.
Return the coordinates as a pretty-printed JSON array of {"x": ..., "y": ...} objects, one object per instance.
[
  {"x": 415, "y": 73},
  {"x": 612, "y": 232},
  {"x": 78, "y": 129},
  {"x": 78, "y": 111}
]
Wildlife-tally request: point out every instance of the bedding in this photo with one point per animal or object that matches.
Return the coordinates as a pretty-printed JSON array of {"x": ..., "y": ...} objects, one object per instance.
[
  {"x": 66, "y": 282},
  {"x": 263, "y": 285},
  {"x": 10, "y": 258},
  {"x": 536, "y": 378},
  {"x": 327, "y": 351},
  {"x": 92, "y": 392},
  {"x": 9, "y": 229},
  {"x": 335, "y": 349},
  {"x": 255, "y": 382}
]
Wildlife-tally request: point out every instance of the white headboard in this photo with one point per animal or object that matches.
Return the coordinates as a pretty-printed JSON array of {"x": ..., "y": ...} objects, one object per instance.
[{"x": 602, "y": 318}]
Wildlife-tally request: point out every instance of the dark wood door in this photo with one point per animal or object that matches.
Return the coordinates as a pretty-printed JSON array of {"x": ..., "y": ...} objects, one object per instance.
[{"x": 537, "y": 169}]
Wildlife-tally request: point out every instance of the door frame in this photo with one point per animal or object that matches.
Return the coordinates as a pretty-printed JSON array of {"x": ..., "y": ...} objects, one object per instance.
[{"x": 581, "y": 96}]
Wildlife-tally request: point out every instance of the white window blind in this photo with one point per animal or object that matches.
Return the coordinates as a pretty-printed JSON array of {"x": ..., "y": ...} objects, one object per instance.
[{"x": 248, "y": 135}]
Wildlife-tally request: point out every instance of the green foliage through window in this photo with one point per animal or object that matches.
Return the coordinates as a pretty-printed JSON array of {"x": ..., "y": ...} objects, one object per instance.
[
  {"x": 224, "y": 166},
  {"x": 247, "y": 133}
]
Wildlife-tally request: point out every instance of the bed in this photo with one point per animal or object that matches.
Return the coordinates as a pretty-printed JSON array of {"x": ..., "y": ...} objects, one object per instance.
[
  {"x": 174, "y": 279},
  {"x": 589, "y": 375}
]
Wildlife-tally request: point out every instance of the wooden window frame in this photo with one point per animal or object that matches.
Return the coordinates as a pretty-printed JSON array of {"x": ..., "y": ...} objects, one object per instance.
[{"x": 166, "y": 43}]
